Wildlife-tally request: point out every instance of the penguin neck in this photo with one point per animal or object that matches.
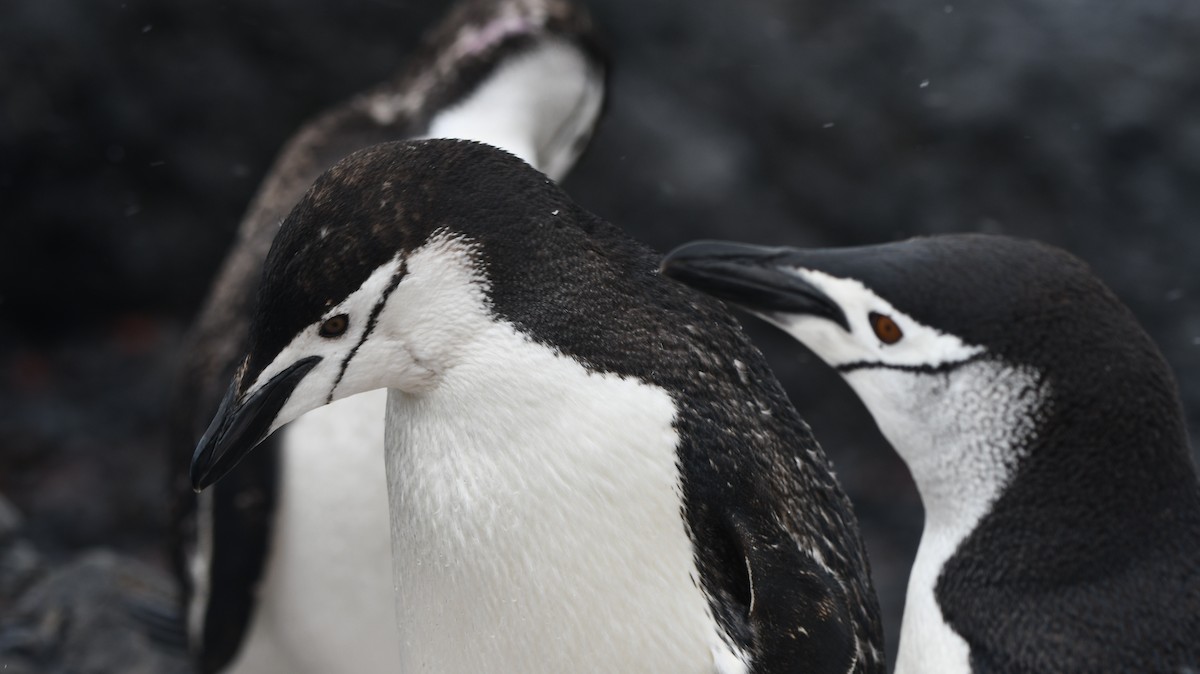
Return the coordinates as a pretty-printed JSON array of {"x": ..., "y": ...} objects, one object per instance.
[
  {"x": 539, "y": 105},
  {"x": 961, "y": 457},
  {"x": 961, "y": 454}
]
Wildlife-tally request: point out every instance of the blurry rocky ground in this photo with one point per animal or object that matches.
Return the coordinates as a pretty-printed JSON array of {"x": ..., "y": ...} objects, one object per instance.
[{"x": 133, "y": 133}]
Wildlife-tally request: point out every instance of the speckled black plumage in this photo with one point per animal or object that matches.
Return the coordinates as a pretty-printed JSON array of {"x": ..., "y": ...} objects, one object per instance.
[
  {"x": 1089, "y": 560},
  {"x": 756, "y": 486}
]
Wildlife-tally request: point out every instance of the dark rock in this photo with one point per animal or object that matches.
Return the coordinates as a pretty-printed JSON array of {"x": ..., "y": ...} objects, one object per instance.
[
  {"x": 101, "y": 614},
  {"x": 20, "y": 565},
  {"x": 10, "y": 520},
  {"x": 19, "y": 561}
]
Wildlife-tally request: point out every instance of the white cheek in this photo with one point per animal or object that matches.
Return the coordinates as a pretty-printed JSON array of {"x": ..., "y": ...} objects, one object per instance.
[
  {"x": 312, "y": 392},
  {"x": 823, "y": 337},
  {"x": 425, "y": 326},
  {"x": 900, "y": 402},
  {"x": 324, "y": 383},
  {"x": 920, "y": 346},
  {"x": 381, "y": 362},
  {"x": 377, "y": 363},
  {"x": 429, "y": 323},
  {"x": 332, "y": 351}
]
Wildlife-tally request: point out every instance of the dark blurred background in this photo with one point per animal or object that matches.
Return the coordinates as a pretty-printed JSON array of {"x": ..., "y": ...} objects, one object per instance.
[{"x": 132, "y": 135}]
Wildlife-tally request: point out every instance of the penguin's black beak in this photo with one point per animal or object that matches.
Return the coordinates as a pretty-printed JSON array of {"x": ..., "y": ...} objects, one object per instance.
[
  {"x": 240, "y": 426},
  {"x": 756, "y": 278}
]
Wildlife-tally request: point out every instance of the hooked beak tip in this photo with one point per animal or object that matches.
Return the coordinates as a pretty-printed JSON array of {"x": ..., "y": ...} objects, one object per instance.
[{"x": 199, "y": 481}]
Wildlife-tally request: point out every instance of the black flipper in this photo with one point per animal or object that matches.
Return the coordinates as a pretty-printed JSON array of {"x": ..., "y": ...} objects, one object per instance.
[{"x": 789, "y": 587}]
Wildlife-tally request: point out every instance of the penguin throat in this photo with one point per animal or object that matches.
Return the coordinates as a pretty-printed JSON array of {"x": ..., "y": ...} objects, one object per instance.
[
  {"x": 960, "y": 430},
  {"x": 963, "y": 432}
]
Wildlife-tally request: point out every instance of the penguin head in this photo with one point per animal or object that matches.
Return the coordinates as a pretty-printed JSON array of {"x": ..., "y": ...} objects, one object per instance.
[
  {"x": 949, "y": 339},
  {"x": 916, "y": 305},
  {"x": 376, "y": 279}
]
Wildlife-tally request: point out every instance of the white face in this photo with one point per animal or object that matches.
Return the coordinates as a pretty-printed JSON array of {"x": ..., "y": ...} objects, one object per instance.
[
  {"x": 420, "y": 330},
  {"x": 953, "y": 416},
  {"x": 918, "y": 345},
  {"x": 896, "y": 365}
]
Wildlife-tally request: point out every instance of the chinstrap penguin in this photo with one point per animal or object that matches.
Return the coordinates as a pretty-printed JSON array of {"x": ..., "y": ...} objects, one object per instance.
[
  {"x": 1041, "y": 425},
  {"x": 589, "y": 467},
  {"x": 287, "y": 564}
]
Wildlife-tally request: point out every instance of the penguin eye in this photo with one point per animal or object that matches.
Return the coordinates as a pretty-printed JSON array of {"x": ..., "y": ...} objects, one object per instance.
[
  {"x": 334, "y": 326},
  {"x": 885, "y": 328}
]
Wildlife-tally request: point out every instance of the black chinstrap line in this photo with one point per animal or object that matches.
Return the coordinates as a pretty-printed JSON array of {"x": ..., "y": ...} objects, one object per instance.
[
  {"x": 372, "y": 320},
  {"x": 940, "y": 368}
]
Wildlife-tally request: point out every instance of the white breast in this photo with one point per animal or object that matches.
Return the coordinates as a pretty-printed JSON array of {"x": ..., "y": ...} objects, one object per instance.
[{"x": 536, "y": 515}]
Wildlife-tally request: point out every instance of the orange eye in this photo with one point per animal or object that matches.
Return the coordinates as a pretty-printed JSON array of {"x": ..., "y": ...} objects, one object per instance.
[
  {"x": 885, "y": 328},
  {"x": 334, "y": 326}
]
